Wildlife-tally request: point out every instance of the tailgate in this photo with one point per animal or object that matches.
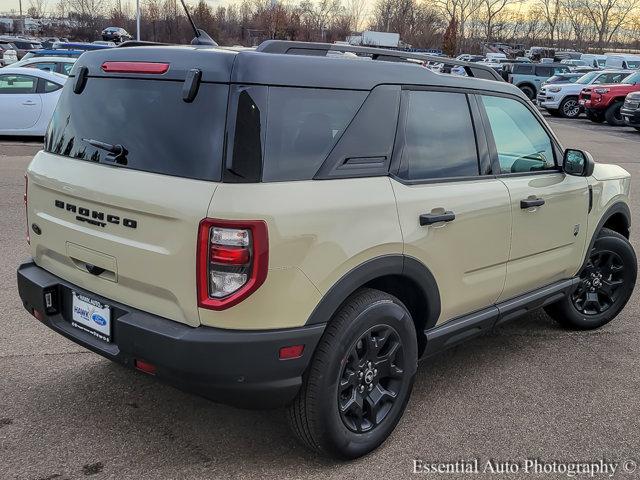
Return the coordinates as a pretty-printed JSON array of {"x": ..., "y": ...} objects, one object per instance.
[
  {"x": 128, "y": 171},
  {"x": 135, "y": 231}
]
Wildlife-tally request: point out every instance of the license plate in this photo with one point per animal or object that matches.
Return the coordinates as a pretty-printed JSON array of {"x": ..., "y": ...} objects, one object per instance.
[{"x": 91, "y": 316}]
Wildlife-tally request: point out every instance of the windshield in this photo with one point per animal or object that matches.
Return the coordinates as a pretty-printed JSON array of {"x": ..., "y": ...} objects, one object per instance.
[
  {"x": 588, "y": 78},
  {"x": 160, "y": 132},
  {"x": 633, "y": 78}
]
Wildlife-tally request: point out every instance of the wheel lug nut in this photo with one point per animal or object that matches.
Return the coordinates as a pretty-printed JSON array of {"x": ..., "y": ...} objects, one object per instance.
[
  {"x": 361, "y": 375},
  {"x": 370, "y": 386},
  {"x": 361, "y": 388},
  {"x": 375, "y": 371}
]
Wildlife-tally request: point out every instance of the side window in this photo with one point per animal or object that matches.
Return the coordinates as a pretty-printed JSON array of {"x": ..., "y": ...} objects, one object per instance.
[
  {"x": 51, "y": 86},
  {"x": 544, "y": 71},
  {"x": 45, "y": 66},
  {"x": 303, "y": 125},
  {"x": 439, "y": 140},
  {"x": 523, "y": 69},
  {"x": 610, "y": 78},
  {"x": 521, "y": 142},
  {"x": 17, "y": 84},
  {"x": 66, "y": 68}
]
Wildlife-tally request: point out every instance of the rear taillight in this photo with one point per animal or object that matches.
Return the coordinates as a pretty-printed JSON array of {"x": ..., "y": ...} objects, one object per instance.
[
  {"x": 233, "y": 259},
  {"x": 25, "y": 198}
]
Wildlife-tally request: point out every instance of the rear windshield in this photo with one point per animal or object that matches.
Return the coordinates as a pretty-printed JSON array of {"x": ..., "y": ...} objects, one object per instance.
[{"x": 160, "y": 132}]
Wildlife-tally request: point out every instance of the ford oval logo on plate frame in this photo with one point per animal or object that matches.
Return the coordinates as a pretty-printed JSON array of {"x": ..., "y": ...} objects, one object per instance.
[{"x": 91, "y": 316}]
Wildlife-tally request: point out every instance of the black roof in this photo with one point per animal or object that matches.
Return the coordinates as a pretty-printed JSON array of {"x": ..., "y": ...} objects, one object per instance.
[{"x": 248, "y": 66}]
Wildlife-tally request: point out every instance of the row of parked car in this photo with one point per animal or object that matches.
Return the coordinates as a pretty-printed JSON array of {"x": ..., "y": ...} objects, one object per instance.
[
  {"x": 606, "y": 89},
  {"x": 607, "y": 95},
  {"x": 32, "y": 82},
  {"x": 14, "y": 48}
]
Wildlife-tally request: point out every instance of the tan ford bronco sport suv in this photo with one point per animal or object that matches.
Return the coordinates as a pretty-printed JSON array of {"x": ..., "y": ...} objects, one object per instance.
[{"x": 288, "y": 227}]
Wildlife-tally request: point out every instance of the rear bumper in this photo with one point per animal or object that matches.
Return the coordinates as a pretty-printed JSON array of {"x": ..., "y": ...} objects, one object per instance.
[{"x": 235, "y": 367}]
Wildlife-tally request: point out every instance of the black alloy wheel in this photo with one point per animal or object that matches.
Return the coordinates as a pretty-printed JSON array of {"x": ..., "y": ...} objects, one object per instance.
[
  {"x": 605, "y": 284},
  {"x": 360, "y": 377},
  {"x": 371, "y": 379},
  {"x": 600, "y": 283}
]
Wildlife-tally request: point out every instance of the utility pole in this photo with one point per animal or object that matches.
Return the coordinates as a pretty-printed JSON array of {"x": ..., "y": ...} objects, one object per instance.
[
  {"x": 137, "y": 19},
  {"x": 21, "y": 20}
]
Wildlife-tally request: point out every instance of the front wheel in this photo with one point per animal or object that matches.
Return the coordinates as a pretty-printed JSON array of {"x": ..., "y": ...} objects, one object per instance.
[
  {"x": 360, "y": 378},
  {"x": 528, "y": 91},
  {"x": 613, "y": 115},
  {"x": 569, "y": 107},
  {"x": 606, "y": 283}
]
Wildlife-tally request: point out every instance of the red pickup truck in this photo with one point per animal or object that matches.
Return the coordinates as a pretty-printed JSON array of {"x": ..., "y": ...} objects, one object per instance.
[{"x": 603, "y": 102}]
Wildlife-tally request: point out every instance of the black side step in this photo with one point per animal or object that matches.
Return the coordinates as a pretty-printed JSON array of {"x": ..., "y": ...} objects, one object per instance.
[{"x": 463, "y": 328}]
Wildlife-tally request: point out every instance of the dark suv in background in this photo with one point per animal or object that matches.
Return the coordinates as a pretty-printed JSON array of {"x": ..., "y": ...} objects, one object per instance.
[
  {"x": 630, "y": 110},
  {"x": 23, "y": 45}
]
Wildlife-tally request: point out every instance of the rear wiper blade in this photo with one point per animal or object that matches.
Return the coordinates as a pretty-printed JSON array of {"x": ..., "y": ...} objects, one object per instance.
[{"x": 118, "y": 153}]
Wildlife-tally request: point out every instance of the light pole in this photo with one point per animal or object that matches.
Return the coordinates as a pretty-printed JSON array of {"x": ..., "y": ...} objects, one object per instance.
[
  {"x": 21, "y": 21},
  {"x": 137, "y": 19}
]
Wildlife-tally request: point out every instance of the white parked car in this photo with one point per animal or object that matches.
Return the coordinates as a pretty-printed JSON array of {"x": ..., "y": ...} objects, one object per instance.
[
  {"x": 28, "y": 97},
  {"x": 8, "y": 54},
  {"x": 615, "y": 60},
  {"x": 594, "y": 60},
  {"x": 562, "y": 98},
  {"x": 61, "y": 65}
]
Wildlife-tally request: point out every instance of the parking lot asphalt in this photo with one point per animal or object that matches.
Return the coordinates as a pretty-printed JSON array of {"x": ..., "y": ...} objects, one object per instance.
[{"x": 530, "y": 390}]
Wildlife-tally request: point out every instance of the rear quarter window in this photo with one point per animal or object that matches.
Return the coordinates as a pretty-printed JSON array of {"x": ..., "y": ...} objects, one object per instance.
[{"x": 303, "y": 125}]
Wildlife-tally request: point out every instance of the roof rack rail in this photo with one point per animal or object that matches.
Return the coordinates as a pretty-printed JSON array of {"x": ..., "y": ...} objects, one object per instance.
[{"x": 288, "y": 47}]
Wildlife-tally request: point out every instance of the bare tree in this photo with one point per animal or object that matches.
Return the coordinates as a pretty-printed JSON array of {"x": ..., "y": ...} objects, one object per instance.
[
  {"x": 607, "y": 16},
  {"x": 37, "y": 8},
  {"x": 490, "y": 16},
  {"x": 551, "y": 13},
  {"x": 356, "y": 11}
]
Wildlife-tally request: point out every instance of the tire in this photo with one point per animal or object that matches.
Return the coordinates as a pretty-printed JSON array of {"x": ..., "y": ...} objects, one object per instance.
[
  {"x": 340, "y": 376},
  {"x": 582, "y": 309},
  {"x": 529, "y": 91},
  {"x": 569, "y": 108},
  {"x": 613, "y": 116},
  {"x": 595, "y": 117}
]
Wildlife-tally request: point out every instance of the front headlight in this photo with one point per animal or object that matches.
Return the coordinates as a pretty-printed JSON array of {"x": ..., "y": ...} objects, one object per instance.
[{"x": 554, "y": 89}]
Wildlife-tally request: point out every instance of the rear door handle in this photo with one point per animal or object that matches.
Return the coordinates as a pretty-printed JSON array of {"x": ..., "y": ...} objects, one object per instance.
[
  {"x": 28, "y": 102},
  {"x": 430, "y": 218},
  {"x": 531, "y": 202}
]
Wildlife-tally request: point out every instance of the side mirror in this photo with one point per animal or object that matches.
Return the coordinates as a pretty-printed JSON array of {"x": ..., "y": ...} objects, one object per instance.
[{"x": 577, "y": 163}]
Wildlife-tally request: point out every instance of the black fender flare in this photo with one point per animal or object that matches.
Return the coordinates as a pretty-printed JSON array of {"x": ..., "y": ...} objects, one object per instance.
[
  {"x": 395, "y": 264},
  {"x": 619, "y": 207}
]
